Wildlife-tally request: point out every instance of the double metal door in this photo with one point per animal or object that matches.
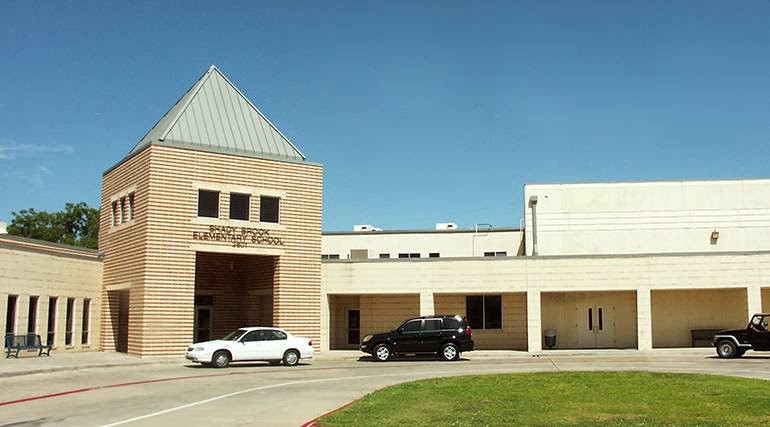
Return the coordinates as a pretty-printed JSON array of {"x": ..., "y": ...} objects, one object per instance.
[{"x": 595, "y": 326}]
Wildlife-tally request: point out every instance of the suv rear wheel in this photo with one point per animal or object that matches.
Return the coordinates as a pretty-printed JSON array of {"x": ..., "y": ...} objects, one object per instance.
[
  {"x": 450, "y": 352},
  {"x": 726, "y": 349},
  {"x": 381, "y": 352}
]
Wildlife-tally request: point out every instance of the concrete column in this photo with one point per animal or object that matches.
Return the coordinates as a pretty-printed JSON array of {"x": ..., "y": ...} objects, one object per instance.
[
  {"x": 643, "y": 319},
  {"x": 427, "y": 308},
  {"x": 3, "y": 312},
  {"x": 42, "y": 318},
  {"x": 325, "y": 345},
  {"x": 22, "y": 314},
  {"x": 754, "y": 296},
  {"x": 534, "y": 328}
]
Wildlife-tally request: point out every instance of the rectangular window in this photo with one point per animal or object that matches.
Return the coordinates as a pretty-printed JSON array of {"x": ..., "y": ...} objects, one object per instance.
[
  {"x": 123, "y": 210},
  {"x": 115, "y": 213},
  {"x": 32, "y": 316},
  {"x": 499, "y": 253},
  {"x": 52, "y": 319},
  {"x": 10, "y": 315},
  {"x": 484, "y": 311},
  {"x": 330, "y": 256},
  {"x": 130, "y": 206},
  {"x": 268, "y": 209},
  {"x": 70, "y": 321},
  {"x": 384, "y": 256},
  {"x": 410, "y": 255},
  {"x": 208, "y": 203},
  {"x": 86, "y": 320},
  {"x": 239, "y": 206},
  {"x": 433, "y": 255}
]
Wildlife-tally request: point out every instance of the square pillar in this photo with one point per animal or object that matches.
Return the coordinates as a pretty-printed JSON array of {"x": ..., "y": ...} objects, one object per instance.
[
  {"x": 754, "y": 296},
  {"x": 22, "y": 314},
  {"x": 534, "y": 328},
  {"x": 427, "y": 307},
  {"x": 643, "y": 319},
  {"x": 325, "y": 345}
]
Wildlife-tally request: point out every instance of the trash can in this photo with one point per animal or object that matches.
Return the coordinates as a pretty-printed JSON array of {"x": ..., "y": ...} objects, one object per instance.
[{"x": 550, "y": 338}]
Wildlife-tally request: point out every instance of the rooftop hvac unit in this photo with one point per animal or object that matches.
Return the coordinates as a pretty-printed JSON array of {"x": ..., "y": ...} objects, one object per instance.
[
  {"x": 446, "y": 226},
  {"x": 365, "y": 227}
]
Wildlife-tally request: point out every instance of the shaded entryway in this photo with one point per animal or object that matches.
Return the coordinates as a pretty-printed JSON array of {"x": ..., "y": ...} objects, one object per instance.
[
  {"x": 590, "y": 319},
  {"x": 676, "y": 313},
  {"x": 117, "y": 310},
  {"x": 352, "y": 317},
  {"x": 232, "y": 291}
]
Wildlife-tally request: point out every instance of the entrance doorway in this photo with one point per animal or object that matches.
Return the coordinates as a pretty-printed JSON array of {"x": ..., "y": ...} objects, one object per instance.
[
  {"x": 354, "y": 326},
  {"x": 203, "y": 324},
  {"x": 595, "y": 326},
  {"x": 232, "y": 291}
]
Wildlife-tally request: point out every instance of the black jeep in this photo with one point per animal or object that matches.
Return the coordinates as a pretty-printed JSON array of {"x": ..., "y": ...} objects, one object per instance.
[
  {"x": 734, "y": 342},
  {"x": 444, "y": 335}
]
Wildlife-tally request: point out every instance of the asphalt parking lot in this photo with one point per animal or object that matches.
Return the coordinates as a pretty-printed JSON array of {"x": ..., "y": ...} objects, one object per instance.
[{"x": 108, "y": 389}]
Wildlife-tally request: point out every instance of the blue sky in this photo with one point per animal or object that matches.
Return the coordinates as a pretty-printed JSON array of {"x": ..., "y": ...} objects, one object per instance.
[{"x": 420, "y": 112}]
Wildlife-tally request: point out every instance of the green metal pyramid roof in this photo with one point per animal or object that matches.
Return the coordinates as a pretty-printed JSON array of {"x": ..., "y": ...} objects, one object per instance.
[{"x": 215, "y": 116}]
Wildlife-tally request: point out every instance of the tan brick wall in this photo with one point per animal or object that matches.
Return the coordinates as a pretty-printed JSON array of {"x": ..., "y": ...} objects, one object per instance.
[
  {"x": 765, "y": 300},
  {"x": 160, "y": 247},
  {"x": 31, "y": 268},
  {"x": 512, "y": 336},
  {"x": 382, "y": 313},
  {"x": 338, "y": 307},
  {"x": 676, "y": 312}
]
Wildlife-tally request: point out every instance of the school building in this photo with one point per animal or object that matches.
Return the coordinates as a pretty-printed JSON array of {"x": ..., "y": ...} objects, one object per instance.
[{"x": 212, "y": 221}]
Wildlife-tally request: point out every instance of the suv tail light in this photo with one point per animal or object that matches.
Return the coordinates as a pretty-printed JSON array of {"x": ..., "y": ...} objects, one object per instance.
[{"x": 468, "y": 330}]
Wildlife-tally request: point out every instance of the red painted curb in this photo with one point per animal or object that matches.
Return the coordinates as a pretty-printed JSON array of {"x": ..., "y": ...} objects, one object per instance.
[{"x": 101, "y": 387}]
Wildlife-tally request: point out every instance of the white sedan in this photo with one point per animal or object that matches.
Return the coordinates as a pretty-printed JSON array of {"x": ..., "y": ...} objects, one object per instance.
[{"x": 252, "y": 344}]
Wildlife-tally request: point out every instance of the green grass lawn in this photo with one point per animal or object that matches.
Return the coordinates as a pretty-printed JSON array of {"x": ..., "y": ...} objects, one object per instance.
[{"x": 564, "y": 398}]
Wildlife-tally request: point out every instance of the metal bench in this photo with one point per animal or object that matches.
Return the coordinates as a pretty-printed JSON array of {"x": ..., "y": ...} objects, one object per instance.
[
  {"x": 17, "y": 343},
  {"x": 703, "y": 337}
]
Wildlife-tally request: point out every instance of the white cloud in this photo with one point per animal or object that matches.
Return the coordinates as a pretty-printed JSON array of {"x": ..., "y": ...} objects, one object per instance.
[{"x": 10, "y": 149}]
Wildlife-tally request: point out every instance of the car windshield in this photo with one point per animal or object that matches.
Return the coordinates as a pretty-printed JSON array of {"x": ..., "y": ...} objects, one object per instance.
[{"x": 234, "y": 335}]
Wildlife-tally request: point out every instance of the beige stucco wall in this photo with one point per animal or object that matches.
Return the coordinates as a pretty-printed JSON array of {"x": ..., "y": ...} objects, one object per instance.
[
  {"x": 559, "y": 312},
  {"x": 445, "y": 243},
  {"x": 676, "y": 312},
  {"x": 649, "y": 217},
  {"x": 512, "y": 336},
  {"x": 34, "y": 268}
]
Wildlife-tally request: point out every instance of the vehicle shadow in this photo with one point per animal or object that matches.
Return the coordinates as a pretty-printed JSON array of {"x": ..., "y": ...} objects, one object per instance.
[
  {"x": 742, "y": 357},
  {"x": 237, "y": 365},
  {"x": 408, "y": 359}
]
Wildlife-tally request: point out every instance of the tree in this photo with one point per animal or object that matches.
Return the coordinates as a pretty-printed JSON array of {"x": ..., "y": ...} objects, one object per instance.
[{"x": 76, "y": 225}]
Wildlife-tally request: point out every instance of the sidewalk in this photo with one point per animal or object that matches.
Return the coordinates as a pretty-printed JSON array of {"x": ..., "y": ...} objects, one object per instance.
[{"x": 29, "y": 363}]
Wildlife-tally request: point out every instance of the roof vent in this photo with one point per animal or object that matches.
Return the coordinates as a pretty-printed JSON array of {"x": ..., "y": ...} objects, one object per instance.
[
  {"x": 446, "y": 226},
  {"x": 365, "y": 227}
]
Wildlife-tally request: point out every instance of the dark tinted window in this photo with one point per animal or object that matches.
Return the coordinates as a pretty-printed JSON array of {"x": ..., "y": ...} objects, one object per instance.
[
  {"x": 268, "y": 209},
  {"x": 493, "y": 316},
  {"x": 413, "y": 326},
  {"x": 432, "y": 325},
  {"x": 474, "y": 310},
  {"x": 208, "y": 203},
  {"x": 253, "y": 336},
  {"x": 452, "y": 323},
  {"x": 276, "y": 335},
  {"x": 239, "y": 206}
]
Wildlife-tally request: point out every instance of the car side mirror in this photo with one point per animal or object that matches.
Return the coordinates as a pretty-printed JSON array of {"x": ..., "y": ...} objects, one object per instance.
[{"x": 400, "y": 330}]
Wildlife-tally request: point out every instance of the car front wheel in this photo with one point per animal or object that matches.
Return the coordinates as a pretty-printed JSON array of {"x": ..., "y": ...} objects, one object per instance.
[
  {"x": 450, "y": 352},
  {"x": 291, "y": 358},
  {"x": 221, "y": 359},
  {"x": 726, "y": 349},
  {"x": 381, "y": 352}
]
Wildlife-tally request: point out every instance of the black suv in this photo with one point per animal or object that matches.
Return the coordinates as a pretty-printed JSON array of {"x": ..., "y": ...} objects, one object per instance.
[
  {"x": 444, "y": 335},
  {"x": 734, "y": 342}
]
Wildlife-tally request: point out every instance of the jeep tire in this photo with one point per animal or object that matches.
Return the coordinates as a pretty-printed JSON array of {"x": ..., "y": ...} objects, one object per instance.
[{"x": 726, "y": 349}]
